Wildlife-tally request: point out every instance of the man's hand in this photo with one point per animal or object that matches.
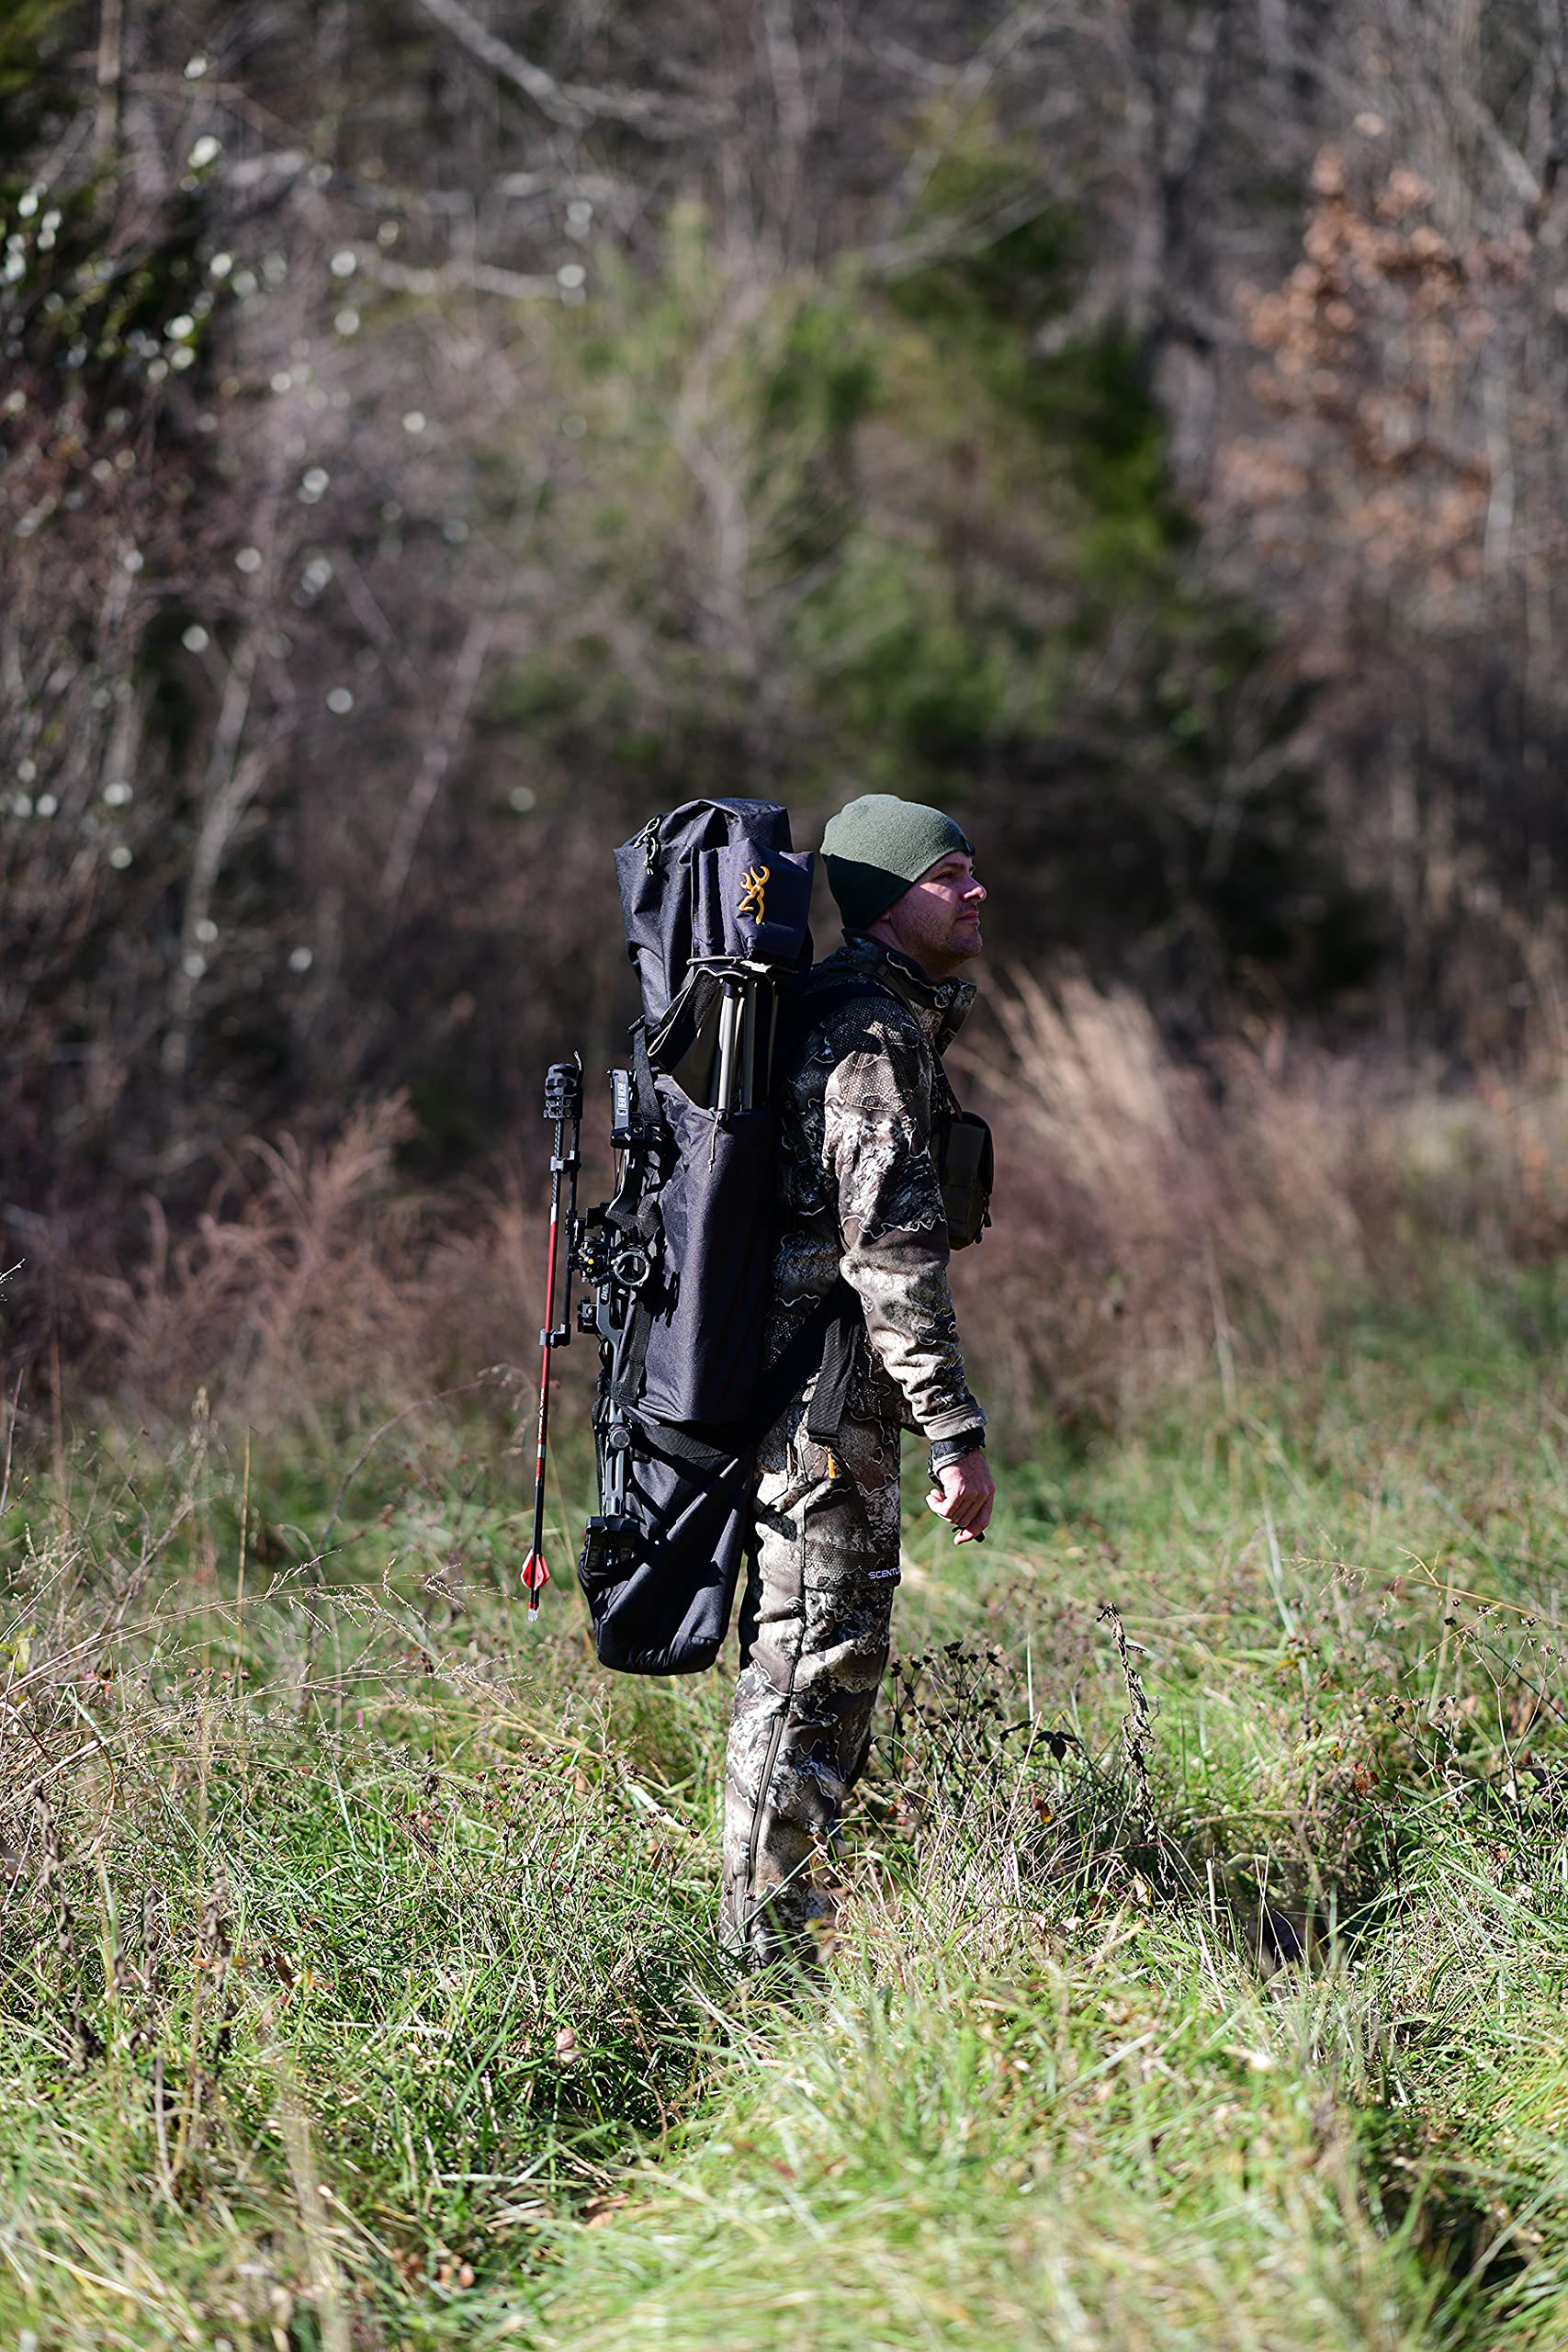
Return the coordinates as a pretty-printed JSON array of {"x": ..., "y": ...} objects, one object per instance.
[{"x": 962, "y": 1495}]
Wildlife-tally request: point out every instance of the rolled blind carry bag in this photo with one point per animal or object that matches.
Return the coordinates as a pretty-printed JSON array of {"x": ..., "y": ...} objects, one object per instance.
[{"x": 677, "y": 1264}]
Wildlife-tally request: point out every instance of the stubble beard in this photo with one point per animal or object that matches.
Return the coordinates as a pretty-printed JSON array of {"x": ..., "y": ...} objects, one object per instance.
[
  {"x": 939, "y": 949},
  {"x": 960, "y": 943}
]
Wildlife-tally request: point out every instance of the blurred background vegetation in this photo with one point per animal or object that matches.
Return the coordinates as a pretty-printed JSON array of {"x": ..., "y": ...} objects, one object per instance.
[{"x": 433, "y": 436}]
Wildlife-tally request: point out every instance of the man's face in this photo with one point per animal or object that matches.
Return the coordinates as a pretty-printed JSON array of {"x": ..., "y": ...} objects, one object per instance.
[{"x": 937, "y": 920}]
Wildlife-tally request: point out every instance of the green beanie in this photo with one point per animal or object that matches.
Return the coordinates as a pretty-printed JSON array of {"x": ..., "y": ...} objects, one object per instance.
[{"x": 876, "y": 846}]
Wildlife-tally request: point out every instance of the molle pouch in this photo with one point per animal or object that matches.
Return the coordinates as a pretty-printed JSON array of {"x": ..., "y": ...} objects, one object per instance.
[
  {"x": 767, "y": 901},
  {"x": 966, "y": 1164}
]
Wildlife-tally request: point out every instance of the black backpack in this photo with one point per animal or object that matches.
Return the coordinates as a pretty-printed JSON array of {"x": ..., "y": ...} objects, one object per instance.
[{"x": 679, "y": 1261}]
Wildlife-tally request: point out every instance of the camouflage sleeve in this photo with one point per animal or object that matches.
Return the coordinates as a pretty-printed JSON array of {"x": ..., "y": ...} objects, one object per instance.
[{"x": 876, "y": 1154}]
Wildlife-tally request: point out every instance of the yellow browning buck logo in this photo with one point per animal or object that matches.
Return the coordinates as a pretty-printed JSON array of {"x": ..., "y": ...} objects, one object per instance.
[{"x": 752, "y": 888}]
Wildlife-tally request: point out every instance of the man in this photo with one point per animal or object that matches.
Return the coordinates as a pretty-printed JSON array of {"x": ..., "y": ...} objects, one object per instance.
[{"x": 860, "y": 1197}]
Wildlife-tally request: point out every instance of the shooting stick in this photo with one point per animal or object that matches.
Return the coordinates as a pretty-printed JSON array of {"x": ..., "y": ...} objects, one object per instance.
[{"x": 563, "y": 1103}]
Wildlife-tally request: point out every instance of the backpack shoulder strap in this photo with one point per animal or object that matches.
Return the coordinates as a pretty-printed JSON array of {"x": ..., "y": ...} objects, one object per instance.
[
  {"x": 829, "y": 991},
  {"x": 820, "y": 999}
]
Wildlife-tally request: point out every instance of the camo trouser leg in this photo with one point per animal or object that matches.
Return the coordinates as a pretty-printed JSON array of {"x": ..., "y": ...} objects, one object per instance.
[{"x": 814, "y": 1637}]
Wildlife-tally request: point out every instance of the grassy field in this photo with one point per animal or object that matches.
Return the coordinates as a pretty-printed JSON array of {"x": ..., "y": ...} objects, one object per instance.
[{"x": 1198, "y": 1981}]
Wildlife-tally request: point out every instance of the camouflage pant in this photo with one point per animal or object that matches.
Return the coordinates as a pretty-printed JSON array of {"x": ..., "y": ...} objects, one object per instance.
[{"x": 814, "y": 1636}]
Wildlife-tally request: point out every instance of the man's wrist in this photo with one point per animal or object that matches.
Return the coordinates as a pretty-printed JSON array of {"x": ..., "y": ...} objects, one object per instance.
[{"x": 945, "y": 1449}]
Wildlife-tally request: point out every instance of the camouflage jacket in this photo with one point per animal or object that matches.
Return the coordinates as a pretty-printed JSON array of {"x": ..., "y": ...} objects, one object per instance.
[{"x": 858, "y": 1188}]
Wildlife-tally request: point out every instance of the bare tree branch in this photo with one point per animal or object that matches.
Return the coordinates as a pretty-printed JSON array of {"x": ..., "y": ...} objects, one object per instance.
[
  {"x": 235, "y": 770},
  {"x": 570, "y": 105},
  {"x": 460, "y": 277},
  {"x": 792, "y": 107},
  {"x": 439, "y": 749},
  {"x": 110, "y": 66},
  {"x": 1514, "y": 169},
  {"x": 959, "y": 234}
]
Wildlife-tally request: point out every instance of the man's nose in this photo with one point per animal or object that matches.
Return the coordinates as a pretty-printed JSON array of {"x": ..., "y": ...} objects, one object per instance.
[{"x": 974, "y": 889}]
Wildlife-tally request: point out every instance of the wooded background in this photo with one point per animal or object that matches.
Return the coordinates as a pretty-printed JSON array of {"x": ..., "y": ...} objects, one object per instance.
[{"x": 436, "y": 434}]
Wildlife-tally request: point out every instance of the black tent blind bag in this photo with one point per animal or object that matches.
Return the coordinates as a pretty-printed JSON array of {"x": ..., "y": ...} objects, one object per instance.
[
  {"x": 705, "y": 1341},
  {"x": 715, "y": 904},
  {"x": 660, "y": 1589}
]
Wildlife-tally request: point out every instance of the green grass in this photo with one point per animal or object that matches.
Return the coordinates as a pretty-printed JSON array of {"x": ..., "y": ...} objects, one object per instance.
[{"x": 359, "y": 1986}]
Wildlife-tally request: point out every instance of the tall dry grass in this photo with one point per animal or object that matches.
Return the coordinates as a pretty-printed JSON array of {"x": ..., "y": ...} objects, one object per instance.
[
  {"x": 1158, "y": 1220},
  {"x": 319, "y": 1281}
]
